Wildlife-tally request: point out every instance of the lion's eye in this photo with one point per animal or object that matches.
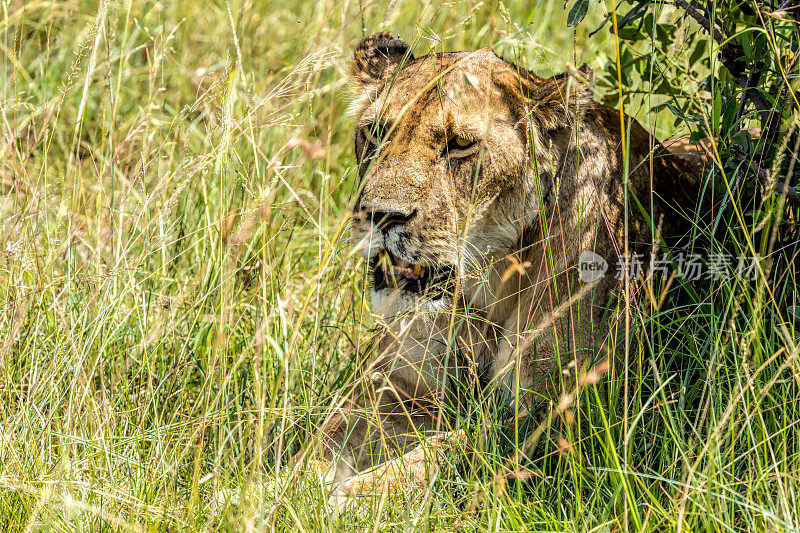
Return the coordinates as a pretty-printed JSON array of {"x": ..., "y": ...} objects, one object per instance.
[
  {"x": 461, "y": 142},
  {"x": 458, "y": 146}
]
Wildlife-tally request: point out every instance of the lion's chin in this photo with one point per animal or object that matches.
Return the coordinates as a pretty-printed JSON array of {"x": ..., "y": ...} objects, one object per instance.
[{"x": 390, "y": 303}]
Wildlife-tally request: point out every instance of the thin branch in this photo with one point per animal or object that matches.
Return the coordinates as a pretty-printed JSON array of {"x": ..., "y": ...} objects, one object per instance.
[
  {"x": 752, "y": 81},
  {"x": 701, "y": 19}
]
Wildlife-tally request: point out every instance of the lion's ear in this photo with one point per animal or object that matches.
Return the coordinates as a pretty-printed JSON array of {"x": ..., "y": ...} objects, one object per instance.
[
  {"x": 561, "y": 100},
  {"x": 377, "y": 57},
  {"x": 554, "y": 103}
]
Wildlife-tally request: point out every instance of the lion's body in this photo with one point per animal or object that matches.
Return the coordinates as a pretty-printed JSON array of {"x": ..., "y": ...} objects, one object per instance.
[{"x": 502, "y": 179}]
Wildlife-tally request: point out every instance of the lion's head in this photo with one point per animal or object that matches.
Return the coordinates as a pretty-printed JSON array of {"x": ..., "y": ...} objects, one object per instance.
[{"x": 445, "y": 145}]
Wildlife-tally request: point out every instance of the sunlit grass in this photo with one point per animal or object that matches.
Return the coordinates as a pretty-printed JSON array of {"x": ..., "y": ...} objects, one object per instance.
[{"x": 180, "y": 306}]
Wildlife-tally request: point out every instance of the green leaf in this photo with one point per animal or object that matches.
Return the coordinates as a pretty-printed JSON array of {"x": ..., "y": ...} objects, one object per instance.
[
  {"x": 697, "y": 135},
  {"x": 742, "y": 138},
  {"x": 663, "y": 87},
  {"x": 698, "y": 52},
  {"x": 578, "y": 11},
  {"x": 629, "y": 34},
  {"x": 644, "y": 64},
  {"x": 680, "y": 114},
  {"x": 747, "y": 45},
  {"x": 627, "y": 60},
  {"x": 663, "y": 34},
  {"x": 728, "y": 117},
  {"x": 600, "y": 27},
  {"x": 635, "y": 13}
]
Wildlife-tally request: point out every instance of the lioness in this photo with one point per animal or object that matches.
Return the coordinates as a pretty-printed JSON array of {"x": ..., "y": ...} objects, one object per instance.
[{"x": 482, "y": 185}]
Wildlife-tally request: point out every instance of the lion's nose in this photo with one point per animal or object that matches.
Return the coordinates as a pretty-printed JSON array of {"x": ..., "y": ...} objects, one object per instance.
[{"x": 386, "y": 219}]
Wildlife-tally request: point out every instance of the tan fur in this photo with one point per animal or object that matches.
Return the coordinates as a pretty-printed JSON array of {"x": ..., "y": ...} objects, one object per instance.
[{"x": 510, "y": 223}]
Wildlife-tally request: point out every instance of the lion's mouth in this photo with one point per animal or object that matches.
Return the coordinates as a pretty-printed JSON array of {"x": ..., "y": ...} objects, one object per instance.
[{"x": 389, "y": 271}]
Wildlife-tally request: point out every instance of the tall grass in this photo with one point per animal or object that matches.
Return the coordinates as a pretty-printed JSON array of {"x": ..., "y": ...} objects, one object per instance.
[{"x": 180, "y": 306}]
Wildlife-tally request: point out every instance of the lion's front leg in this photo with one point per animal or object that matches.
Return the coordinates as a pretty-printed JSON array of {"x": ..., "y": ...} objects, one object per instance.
[{"x": 398, "y": 400}]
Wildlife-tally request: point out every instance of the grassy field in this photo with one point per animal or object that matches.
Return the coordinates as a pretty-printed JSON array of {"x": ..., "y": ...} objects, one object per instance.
[{"x": 180, "y": 305}]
